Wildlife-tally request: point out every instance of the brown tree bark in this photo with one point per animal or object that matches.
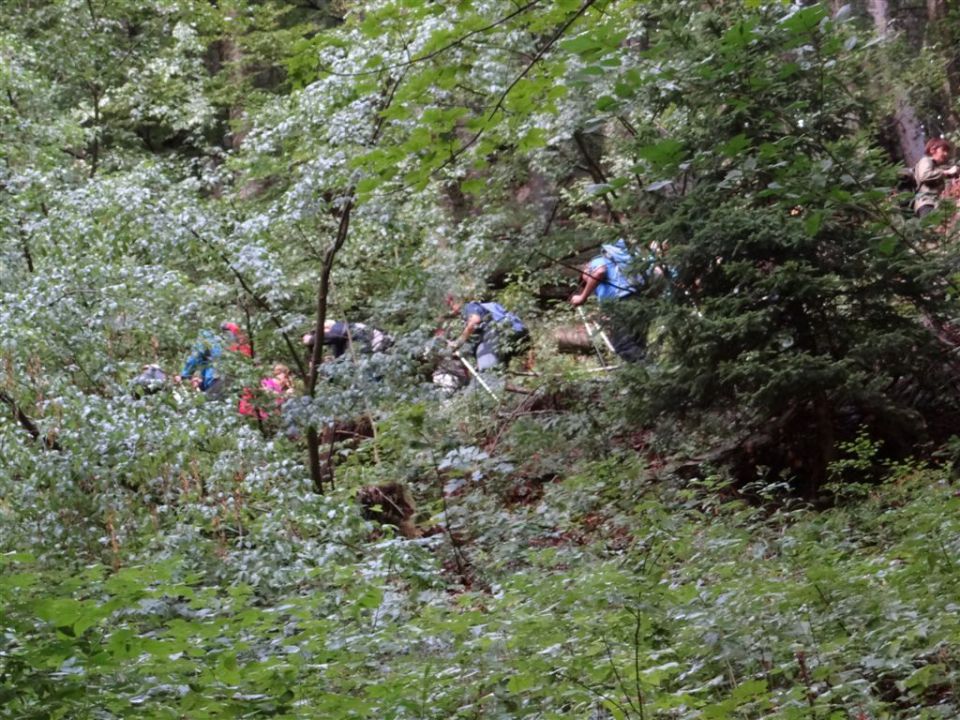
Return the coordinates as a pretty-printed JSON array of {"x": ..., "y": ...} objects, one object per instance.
[
  {"x": 320, "y": 472},
  {"x": 943, "y": 34},
  {"x": 910, "y": 133},
  {"x": 26, "y": 422}
]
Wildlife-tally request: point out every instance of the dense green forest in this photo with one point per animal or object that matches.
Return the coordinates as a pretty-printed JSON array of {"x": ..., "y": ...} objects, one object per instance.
[{"x": 754, "y": 520}]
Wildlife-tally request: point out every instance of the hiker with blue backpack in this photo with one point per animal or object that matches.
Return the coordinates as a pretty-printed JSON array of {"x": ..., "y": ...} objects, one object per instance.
[
  {"x": 611, "y": 277},
  {"x": 492, "y": 335}
]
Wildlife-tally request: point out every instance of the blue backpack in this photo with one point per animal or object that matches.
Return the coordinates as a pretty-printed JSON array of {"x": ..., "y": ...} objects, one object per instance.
[
  {"x": 499, "y": 313},
  {"x": 619, "y": 260}
]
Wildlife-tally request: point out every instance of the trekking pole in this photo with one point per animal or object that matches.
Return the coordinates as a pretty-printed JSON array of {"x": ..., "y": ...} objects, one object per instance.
[
  {"x": 593, "y": 342},
  {"x": 475, "y": 374},
  {"x": 603, "y": 335}
]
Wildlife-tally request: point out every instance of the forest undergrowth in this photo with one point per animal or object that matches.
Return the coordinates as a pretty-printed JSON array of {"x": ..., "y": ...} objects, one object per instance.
[
  {"x": 555, "y": 579},
  {"x": 757, "y": 520}
]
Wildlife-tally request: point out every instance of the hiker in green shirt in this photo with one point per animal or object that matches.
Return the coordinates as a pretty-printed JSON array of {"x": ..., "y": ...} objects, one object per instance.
[{"x": 931, "y": 175}]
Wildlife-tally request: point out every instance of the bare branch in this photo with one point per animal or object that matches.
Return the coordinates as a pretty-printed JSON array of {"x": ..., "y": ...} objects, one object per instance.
[{"x": 27, "y": 423}]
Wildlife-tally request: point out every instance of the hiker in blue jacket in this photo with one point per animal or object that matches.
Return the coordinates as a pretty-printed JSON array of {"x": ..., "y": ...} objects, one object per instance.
[
  {"x": 203, "y": 360},
  {"x": 492, "y": 334},
  {"x": 608, "y": 276}
]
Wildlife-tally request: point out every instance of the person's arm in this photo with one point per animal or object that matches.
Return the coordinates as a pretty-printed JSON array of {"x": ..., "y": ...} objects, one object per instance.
[
  {"x": 473, "y": 322},
  {"x": 927, "y": 171},
  {"x": 591, "y": 278},
  {"x": 336, "y": 337},
  {"x": 191, "y": 365}
]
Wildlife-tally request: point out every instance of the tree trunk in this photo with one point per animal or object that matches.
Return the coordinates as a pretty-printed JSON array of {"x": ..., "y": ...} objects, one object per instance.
[
  {"x": 910, "y": 133},
  {"x": 317, "y": 474},
  {"x": 592, "y": 165},
  {"x": 320, "y": 474},
  {"x": 826, "y": 445},
  {"x": 936, "y": 10},
  {"x": 941, "y": 31}
]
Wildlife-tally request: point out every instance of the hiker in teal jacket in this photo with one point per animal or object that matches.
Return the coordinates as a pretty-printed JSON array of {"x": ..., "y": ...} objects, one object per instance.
[
  {"x": 608, "y": 276},
  {"x": 203, "y": 360}
]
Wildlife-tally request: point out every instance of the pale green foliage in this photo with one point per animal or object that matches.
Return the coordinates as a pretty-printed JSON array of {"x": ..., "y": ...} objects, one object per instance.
[{"x": 164, "y": 557}]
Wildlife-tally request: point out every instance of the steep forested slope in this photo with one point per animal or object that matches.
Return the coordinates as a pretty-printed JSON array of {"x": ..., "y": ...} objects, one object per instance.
[{"x": 756, "y": 521}]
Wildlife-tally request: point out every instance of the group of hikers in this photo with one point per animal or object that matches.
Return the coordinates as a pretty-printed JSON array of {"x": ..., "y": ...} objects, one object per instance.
[
  {"x": 491, "y": 335},
  {"x": 489, "y": 338}
]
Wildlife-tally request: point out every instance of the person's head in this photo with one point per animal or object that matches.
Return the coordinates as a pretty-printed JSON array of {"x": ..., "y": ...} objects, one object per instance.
[
  {"x": 938, "y": 149},
  {"x": 206, "y": 340},
  {"x": 307, "y": 338},
  {"x": 281, "y": 370},
  {"x": 453, "y": 302}
]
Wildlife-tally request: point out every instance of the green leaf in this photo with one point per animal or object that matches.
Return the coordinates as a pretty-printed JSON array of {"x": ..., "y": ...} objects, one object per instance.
[
  {"x": 735, "y": 145},
  {"x": 739, "y": 35},
  {"x": 371, "y": 598},
  {"x": 474, "y": 186},
  {"x": 663, "y": 154},
  {"x": 581, "y": 45},
  {"x": 534, "y": 138},
  {"x": 368, "y": 185},
  {"x": 805, "y": 20},
  {"x": 748, "y": 690},
  {"x": 606, "y": 103},
  {"x": 812, "y": 223},
  {"x": 888, "y": 245},
  {"x": 18, "y": 580},
  {"x": 123, "y": 644},
  {"x": 60, "y": 611},
  {"x": 520, "y": 682},
  {"x": 922, "y": 678}
]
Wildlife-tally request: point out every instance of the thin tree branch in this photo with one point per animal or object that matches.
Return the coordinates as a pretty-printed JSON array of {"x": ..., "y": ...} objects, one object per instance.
[
  {"x": 636, "y": 659},
  {"x": 596, "y": 172},
  {"x": 27, "y": 423},
  {"x": 439, "y": 51},
  {"x": 503, "y": 96},
  {"x": 323, "y": 291},
  {"x": 262, "y": 303},
  {"x": 25, "y": 245},
  {"x": 596, "y": 693},
  {"x": 616, "y": 673}
]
